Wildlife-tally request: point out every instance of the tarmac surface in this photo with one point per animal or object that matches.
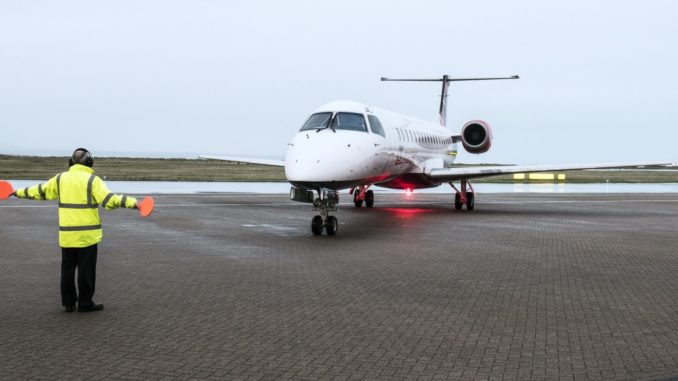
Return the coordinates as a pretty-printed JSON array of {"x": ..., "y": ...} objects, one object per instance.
[{"x": 235, "y": 286}]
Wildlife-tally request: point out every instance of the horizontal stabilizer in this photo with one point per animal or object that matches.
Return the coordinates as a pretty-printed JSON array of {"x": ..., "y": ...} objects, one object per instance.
[
  {"x": 246, "y": 160},
  {"x": 452, "y": 174}
]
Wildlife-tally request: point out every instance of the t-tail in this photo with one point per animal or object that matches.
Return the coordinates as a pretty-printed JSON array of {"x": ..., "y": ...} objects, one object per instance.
[{"x": 446, "y": 84}]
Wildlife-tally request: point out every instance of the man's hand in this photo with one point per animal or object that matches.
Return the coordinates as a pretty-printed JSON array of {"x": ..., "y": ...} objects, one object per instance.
[{"x": 12, "y": 194}]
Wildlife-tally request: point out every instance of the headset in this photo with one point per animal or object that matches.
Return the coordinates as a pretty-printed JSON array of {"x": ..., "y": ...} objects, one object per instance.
[{"x": 88, "y": 160}]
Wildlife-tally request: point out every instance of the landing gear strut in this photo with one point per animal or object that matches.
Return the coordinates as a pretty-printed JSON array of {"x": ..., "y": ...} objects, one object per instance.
[
  {"x": 325, "y": 203},
  {"x": 464, "y": 196},
  {"x": 361, "y": 194}
]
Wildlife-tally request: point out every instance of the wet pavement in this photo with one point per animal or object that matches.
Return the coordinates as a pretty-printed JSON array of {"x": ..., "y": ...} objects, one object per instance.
[{"x": 235, "y": 286}]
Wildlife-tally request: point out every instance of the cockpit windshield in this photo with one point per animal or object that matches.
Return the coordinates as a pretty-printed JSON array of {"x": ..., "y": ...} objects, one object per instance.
[
  {"x": 316, "y": 121},
  {"x": 341, "y": 121},
  {"x": 349, "y": 121}
]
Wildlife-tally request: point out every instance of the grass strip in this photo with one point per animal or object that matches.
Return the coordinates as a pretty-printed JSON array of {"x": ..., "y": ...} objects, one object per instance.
[{"x": 153, "y": 169}]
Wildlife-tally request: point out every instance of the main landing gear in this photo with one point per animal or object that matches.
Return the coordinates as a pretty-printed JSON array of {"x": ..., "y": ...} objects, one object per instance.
[
  {"x": 361, "y": 194},
  {"x": 464, "y": 196},
  {"x": 325, "y": 203}
]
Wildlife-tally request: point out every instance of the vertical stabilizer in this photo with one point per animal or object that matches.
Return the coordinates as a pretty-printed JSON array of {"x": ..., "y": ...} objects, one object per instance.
[{"x": 445, "y": 91}]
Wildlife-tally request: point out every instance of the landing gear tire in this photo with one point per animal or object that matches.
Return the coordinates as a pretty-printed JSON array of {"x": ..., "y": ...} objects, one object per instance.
[
  {"x": 369, "y": 199},
  {"x": 332, "y": 225},
  {"x": 317, "y": 225},
  {"x": 358, "y": 203},
  {"x": 457, "y": 201},
  {"x": 470, "y": 201}
]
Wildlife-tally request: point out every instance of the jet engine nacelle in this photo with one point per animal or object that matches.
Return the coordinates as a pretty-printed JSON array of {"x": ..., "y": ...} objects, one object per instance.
[{"x": 476, "y": 136}]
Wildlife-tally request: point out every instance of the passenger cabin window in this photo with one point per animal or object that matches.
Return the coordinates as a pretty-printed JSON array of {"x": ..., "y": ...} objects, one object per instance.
[
  {"x": 349, "y": 121},
  {"x": 316, "y": 121},
  {"x": 376, "y": 126}
]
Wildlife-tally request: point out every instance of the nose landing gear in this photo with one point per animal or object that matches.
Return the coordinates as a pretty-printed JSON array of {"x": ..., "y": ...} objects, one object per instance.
[
  {"x": 331, "y": 224},
  {"x": 463, "y": 196},
  {"x": 325, "y": 203}
]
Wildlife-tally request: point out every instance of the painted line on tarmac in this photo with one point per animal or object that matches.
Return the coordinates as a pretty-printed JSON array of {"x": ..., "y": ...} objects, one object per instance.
[
  {"x": 225, "y": 204},
  {"x": 164, "y": 205},
  {"x": 576, "y": 201},
  {"x": 210, "y": 195},
  {"x": 428, "y": 203},
  {"x": 28, "y": 206},
  {"x": 535, "y": 202}
]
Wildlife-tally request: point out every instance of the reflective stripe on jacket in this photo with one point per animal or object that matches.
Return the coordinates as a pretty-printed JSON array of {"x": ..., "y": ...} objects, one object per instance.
[{"x": 80, "y": 193}]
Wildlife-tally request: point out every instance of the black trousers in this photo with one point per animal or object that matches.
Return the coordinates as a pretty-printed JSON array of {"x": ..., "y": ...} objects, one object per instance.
[{"x": 85, "y": 260}]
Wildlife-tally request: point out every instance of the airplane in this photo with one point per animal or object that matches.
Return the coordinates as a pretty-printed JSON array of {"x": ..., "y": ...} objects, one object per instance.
[{"x": 350, "y": 145}]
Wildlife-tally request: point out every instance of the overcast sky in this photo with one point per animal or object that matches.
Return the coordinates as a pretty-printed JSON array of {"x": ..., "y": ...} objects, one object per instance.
[{"x": 598, "y": 83}]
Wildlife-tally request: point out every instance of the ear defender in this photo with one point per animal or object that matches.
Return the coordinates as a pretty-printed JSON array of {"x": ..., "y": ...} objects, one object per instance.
[{"x": 88, "y": 160}]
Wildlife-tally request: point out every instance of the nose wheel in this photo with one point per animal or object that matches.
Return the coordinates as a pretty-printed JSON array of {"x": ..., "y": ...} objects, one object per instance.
[
  {"x": 317, "y": 225},
  {"x": 331, "y": 225},
  {"x": 325, "y": 203}
]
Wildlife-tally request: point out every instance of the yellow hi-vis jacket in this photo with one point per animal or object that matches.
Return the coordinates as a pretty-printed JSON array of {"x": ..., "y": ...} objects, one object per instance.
[{"x": 80, "y": 192}]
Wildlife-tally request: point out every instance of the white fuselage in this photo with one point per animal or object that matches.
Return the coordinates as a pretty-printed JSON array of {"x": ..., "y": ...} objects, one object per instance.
[{"x": 399, "y": 155}]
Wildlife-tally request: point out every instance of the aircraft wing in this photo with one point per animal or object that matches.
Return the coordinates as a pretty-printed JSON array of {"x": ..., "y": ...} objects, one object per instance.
[
  {"x": 451, "y": 174},
  {"x": 271, "y": 162}
]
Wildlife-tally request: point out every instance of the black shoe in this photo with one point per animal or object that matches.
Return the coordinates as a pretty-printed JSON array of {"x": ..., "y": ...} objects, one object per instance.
[
  {"x": 92, "y": 308},
  {"x": 69, "y": 308}
]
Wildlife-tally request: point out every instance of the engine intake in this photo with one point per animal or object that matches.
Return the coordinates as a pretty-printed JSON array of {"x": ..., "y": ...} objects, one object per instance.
[{"x": 476, "y": 136}]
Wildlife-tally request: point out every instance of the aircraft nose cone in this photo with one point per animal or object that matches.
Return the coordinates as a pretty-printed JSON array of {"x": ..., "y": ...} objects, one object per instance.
[
  {"x": 324, "y": 157},
  {"x": 330, "y": 157},
  {"x": 307, "y": 165}
]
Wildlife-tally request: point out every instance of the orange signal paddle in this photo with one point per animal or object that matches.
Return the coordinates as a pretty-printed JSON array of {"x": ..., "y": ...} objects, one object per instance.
[
  {"x": 146, "y": 206},
  {"x": 6, "y": 189}
]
